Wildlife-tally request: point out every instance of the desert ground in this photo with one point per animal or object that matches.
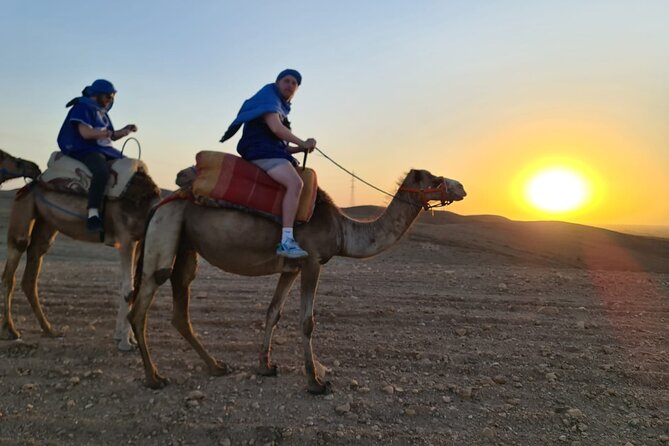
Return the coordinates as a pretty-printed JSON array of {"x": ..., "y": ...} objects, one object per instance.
[{"x": 473, "y": 330}]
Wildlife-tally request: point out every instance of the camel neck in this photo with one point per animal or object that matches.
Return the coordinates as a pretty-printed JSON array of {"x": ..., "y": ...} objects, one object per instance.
[{"x": 363, "y": 239}]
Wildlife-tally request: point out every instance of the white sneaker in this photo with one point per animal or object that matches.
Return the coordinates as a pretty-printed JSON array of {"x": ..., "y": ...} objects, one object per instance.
[{"x": 291, "y": 250}]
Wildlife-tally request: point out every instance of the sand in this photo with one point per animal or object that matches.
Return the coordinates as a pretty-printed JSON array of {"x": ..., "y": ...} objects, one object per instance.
[{"x": 471, "y": 330}]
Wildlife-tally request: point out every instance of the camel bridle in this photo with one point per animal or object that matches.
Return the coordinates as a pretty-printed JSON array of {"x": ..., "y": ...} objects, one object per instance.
[{"x": 442, "y": 189}]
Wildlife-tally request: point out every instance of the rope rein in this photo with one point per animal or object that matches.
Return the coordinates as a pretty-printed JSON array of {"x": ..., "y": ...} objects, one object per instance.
[{"x": 425, "y": 205}]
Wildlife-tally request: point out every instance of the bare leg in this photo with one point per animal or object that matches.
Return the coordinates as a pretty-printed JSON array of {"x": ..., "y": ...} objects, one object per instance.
[
  {"x": 41, "y": 239},
  {"x": 286, "y": 175},
  {"x": 309, "y": 283},
  {"x": 183, "y": 274},
  {"x": 122, "y": 332},
  {"x": 266, "y": 368}
]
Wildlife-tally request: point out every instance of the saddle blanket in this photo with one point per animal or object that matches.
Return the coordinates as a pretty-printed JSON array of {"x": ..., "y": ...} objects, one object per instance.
[
  {"x": 227, "y": 179},
  {"x": 66, "y": 174}
]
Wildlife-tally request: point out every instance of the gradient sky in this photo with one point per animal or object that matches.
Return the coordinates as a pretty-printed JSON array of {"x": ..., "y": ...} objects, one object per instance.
[{"x": 483, "y": 92}]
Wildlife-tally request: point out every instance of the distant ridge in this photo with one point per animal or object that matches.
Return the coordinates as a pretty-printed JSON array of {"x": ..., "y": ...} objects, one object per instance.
[{"x": 452, "y": 239}]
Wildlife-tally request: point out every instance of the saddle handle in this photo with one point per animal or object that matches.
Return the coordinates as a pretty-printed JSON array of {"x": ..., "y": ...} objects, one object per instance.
[{"x": 139, "y": 146}]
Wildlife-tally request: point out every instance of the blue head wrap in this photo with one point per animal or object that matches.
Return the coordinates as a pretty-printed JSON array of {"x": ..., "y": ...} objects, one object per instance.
[
  {"x": 100, "y": 86},
  {"x": 266, "y": 100},
  {"x": 290, "y": 72}
]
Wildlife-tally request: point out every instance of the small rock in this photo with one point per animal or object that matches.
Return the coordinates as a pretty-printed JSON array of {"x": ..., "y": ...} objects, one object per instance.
[
  {"x": 664, "y": 438},
  {"x": 343, "y": 409},
  {"x": 461, "y": 331},
  {"x": 503, "y": 287},
  {"x": 488, "y": 433},
  {"x": 75, "y": 380},
  {"x": 388, "y": 389},
  {"x": 575, "y": 414},
  {"x": 562, "y": 438},
  {"x": 499, "y": 379},
  {"x": 580, "y": 325},
  {"x": 551, "y": 376},
  {"x": 225, "y": 442},
  {"x": 353, "y": 385},
  {"x": 195, "y": 395},
  {"x": 410, "y": 412}
]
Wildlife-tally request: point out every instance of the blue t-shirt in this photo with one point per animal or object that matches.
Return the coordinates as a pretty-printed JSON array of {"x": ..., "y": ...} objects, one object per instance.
[
  {"x": 88, "y": 112},
  {"x": 259, "y": 142}
]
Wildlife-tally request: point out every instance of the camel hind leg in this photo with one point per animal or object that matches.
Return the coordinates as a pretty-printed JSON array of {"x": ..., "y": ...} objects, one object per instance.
[
  {"x": 122, "y": 332},
  {"x": 266, "y": 368},
  {"x": 18, "y": 237},
  {"x": 183, "y": 274},
  {"x": 41, "y": 239}
]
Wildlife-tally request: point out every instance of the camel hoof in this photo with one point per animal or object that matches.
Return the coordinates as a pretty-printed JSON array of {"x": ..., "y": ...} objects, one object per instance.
[
  {"x": 9, "y": 333},
  {"x": 320, "y": 389},
  {"x": 126, "y": 346},
  {"x": 157, "y": 382},
  {"x": 51, "y": 333},
  {"x": 220, "y": 369},
  {"x": 265, "y": 370}
]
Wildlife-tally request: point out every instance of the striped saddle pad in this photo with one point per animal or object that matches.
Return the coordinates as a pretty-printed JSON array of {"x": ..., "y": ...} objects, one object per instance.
[{"x": 226, "y": 180}]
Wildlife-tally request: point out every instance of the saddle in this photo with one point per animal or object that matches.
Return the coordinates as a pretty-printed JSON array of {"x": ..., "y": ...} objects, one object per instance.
[
  {"x": 226, "y": 180},
  {"x": 65, "y": 174}
]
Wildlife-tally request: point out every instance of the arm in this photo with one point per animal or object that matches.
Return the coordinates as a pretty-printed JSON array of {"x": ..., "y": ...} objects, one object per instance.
[
  {"x": 88, "y": 132},
  {"x": 125, "y": 131},
  {"x": 282, "y": 132}
]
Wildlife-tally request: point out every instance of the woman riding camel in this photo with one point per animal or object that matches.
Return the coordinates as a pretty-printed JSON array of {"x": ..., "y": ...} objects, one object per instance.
[
  {"x": 265, "y": 142},
  {"x": 87, "y": 135}
]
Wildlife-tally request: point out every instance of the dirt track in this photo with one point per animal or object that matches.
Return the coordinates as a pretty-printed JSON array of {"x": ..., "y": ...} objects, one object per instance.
[{"x": 430, "y": 344}]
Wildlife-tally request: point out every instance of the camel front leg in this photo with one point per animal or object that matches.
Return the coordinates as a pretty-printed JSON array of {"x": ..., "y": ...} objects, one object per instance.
[
  {"x": 315, "y": 372},
  {"x": 9, "y": 330},
  {"x": 18, "y": 237},
  {"x": 122, "y": 332},
  {"x": 41, "y": 239},
  {"x": 266, "y": 368},
  {"x": 183, "y": 274}
]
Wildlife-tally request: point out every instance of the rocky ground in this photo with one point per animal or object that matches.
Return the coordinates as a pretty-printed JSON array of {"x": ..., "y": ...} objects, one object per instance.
[{"x": 432, "y": 343}]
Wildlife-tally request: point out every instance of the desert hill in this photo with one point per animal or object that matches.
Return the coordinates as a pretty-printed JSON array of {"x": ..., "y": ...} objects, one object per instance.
[{"x": 449, "y": 238}]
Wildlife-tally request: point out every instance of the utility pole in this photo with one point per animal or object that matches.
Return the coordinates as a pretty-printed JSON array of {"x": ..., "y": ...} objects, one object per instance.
[{"x": 352, "y": 190}]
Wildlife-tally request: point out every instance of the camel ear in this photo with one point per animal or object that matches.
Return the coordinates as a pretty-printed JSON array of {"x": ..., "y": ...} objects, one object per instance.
[{"x": 418, "y": 176}]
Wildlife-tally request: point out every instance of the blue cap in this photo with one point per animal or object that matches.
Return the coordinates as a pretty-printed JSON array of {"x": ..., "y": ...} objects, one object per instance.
[
  {"x": 100, "y": 86},
  {"x": 290, "y": 72}
]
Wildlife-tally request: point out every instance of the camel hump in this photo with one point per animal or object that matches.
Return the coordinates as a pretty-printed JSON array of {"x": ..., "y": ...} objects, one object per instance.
[
  {"x": 66, "y": 174},
  {"x": 226, "y": 180}
]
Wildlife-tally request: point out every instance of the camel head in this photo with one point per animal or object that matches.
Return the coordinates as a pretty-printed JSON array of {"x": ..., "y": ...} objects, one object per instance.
[
  {"x": 425, "y": 187},
  {"x": 11, "y": 167}
]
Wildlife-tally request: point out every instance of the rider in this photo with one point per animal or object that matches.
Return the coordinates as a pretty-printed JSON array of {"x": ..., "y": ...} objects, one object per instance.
[
  {"x": 265, "y": 142},
  {"x": 87, "y": 135}
]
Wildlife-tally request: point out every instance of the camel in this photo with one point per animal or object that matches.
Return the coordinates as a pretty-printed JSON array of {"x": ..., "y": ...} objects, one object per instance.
[
  {"x": 12, "y": 167},
  {"x": 243, "y": 243},
  {"x": 38, "y": 213}
]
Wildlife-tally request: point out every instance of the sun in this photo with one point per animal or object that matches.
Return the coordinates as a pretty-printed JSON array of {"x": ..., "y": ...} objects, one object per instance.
[{"x": 557, "y": 190}]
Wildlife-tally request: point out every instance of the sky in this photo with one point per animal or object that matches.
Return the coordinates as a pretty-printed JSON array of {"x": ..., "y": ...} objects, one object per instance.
[{"x": 490, "y": 93}]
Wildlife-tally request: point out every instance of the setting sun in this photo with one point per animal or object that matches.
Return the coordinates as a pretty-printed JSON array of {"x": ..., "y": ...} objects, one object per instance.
[{"x": 557, "y": 190}]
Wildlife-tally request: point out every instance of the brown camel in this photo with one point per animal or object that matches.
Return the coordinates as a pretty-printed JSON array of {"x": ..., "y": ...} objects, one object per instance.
[
  {"x": 39, "y": 213},
  {"x": 12, "y": 167},
  {"x": 243, "y": 243}
]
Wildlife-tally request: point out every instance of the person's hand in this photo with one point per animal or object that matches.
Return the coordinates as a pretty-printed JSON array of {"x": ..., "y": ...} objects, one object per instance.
[
  {"x": 105, "y": 133},
  {"x": 309, "y": 145},
  {"x": 130, "y": 128}
]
